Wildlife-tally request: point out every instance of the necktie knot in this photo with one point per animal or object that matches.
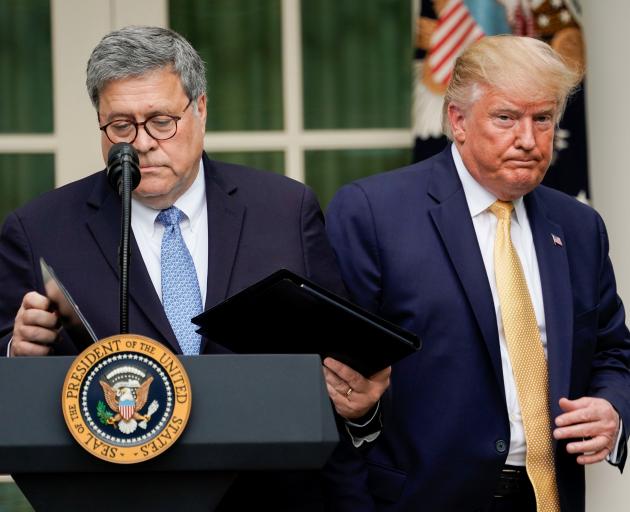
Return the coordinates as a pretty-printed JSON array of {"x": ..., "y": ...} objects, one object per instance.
[
  {"x": 502, "y": 209},
  {"x": 170, "y": 217}
]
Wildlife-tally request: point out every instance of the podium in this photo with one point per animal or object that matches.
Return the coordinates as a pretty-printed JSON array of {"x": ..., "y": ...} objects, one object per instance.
[{"x": 249, "y": 413}]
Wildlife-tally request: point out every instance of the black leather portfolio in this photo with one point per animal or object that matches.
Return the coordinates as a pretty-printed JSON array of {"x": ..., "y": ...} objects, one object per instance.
[
  {"x": 287, "y": 314},
  {"x": 70, "y": 316}
]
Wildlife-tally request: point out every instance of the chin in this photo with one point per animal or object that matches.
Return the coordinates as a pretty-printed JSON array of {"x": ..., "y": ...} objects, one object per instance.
[
  {"x": 147, "y": 192},
  {"x": 152, "y": 185},
  {"x": 521, "y": 189}
]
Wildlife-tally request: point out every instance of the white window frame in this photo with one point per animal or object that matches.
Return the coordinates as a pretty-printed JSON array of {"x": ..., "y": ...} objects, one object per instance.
[{"x": 78, "y": 25}]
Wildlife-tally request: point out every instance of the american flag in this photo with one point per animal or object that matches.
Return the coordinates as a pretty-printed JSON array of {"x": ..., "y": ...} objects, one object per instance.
[{"x": 456, "y": 30}]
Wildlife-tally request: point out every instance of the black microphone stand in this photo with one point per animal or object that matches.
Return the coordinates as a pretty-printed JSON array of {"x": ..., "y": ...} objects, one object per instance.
[
  {"x": 124, "y": 175},
  {"x": 124, "y": 251}
]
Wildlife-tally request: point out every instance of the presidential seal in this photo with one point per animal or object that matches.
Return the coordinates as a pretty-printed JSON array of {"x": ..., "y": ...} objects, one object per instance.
[{"x": 126, "y": 399}]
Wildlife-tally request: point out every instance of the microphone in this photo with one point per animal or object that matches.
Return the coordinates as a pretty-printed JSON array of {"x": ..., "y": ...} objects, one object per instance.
[
  {"x": 123, "y": 175},
  {"x": 122, "y": 156}
]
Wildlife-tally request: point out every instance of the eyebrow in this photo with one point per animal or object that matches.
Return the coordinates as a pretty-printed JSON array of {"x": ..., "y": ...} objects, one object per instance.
[
  {"x": 516, "y": 111},
  {"x": 508, "y": 110}
]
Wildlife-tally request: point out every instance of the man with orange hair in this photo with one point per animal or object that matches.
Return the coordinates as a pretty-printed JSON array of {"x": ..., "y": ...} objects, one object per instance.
[{"x": 523, "y": 377}]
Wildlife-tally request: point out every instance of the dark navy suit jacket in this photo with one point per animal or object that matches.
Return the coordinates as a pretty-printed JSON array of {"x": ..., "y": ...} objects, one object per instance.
[
  {"x": 408, "y": 251},
  {"x": 258, "y": 222}
]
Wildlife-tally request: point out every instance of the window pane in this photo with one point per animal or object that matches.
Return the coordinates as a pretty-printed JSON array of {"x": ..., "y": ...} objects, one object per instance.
[
  {"x": 12, "y": 499},
  {"x": 240, "y": 42},
  {"x": 266, "y": 160},
  {"x": 25, "y": 67},
  {"x": 327, "y": 171},
  {"x": 357, "y": 63},
  {"x": 23, "y": 177}
]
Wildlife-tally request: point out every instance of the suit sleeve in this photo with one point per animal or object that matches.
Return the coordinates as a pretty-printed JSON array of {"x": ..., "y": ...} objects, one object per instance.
[
  {"x": 351, "y": 233},
  {"x": 16, "y": 275},
  {"x": 319, "y": 260},
  {"x": 610, "y": 377}
]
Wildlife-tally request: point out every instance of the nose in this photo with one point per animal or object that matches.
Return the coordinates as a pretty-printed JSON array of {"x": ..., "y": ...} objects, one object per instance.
[
  {"x": 144, "y": 142},
  {"x": 525, "y": 137}
]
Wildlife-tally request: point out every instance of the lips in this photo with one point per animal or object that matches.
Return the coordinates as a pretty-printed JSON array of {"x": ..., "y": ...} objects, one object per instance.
[
  {"x": 524, "y": 159},
  {"x": 150, "y": 167},
  {"x": 523, "y": 162}
]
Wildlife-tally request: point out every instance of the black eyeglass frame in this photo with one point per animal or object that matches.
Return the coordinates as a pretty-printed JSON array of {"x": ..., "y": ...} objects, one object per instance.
[{"x": 135, "y": 124}]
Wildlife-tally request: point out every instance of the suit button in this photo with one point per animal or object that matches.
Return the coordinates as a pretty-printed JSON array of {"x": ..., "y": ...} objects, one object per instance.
[{"x": 501, "y": 446}]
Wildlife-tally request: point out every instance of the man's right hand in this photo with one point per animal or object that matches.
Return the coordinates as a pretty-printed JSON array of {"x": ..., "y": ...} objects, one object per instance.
[{"x": 35, "y": 328}]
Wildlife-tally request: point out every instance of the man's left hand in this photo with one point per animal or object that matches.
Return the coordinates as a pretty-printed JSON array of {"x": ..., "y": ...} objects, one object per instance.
[
  {"x": 595, "y": 421},
  {"x": 352, "y": 394}
]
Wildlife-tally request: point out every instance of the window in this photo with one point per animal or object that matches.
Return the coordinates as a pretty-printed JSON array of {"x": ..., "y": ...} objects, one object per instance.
[
  {"x": 26, "y": 102},
  {"x": 320, "y": 90}
]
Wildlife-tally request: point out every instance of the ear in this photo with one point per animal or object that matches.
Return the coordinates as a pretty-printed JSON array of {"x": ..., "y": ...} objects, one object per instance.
[
  {"x": 201, "y": 110},
  {"x": 457, "y": 120}
]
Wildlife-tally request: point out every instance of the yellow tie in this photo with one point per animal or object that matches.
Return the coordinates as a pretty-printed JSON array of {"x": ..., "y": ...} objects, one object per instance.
[{"x": 528, "y": 362}]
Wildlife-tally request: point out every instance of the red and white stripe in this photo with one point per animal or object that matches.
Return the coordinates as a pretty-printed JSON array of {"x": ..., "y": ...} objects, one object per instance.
[
  {"x": 126, "y": 411},
  {"x": 523, "y": 24},
  {"x": 455, "y": 31}
]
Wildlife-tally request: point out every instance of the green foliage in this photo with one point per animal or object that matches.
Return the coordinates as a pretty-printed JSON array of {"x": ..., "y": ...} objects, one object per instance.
[{"x": 103, "y": 412}]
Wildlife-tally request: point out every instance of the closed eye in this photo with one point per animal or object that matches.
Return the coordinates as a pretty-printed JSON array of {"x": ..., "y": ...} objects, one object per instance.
[{"x": 121, "y": 125}]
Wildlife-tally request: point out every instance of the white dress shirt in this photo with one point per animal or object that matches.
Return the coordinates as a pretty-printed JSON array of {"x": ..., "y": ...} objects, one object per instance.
[{"x": 194, "y": 228}]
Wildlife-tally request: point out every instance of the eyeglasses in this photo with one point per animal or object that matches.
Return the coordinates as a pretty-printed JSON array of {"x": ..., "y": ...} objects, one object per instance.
[{"x": 159, "y": 127}]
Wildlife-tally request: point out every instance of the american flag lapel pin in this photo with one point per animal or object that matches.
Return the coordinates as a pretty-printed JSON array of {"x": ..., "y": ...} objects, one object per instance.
[{"x": 556, "y": 240}]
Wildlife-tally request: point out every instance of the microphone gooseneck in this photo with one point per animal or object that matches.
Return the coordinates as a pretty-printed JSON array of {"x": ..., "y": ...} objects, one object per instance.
[{"x": 123, "y": 174}]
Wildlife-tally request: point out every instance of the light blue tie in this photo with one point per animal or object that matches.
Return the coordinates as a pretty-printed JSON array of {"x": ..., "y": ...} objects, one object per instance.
[{"x": 180, "y": 288}]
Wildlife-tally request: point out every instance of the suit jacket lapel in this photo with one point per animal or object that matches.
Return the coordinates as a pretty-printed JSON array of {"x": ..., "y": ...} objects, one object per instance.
[
  {"x": 225, "y": 219},
  {"x": 105, "y": 228},
  {"x": 553, "y": 266},
  {"x": 452, "y": 219}
]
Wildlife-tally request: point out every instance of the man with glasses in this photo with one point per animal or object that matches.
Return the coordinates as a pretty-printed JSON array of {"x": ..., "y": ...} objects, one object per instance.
[{"x": 219, "y": 227}]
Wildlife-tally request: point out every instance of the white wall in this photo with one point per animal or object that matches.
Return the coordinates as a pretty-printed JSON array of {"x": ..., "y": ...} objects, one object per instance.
[{"x": 608, "y": 111}]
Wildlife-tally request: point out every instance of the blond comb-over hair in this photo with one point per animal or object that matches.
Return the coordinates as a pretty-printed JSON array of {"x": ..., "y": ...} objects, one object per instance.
[{"x": 512, "y": 65}]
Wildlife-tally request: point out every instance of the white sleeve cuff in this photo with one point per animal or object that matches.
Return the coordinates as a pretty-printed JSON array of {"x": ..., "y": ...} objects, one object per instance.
[
  {"x": 615, "y": 456},
  {"x": 359, "y": 440}
]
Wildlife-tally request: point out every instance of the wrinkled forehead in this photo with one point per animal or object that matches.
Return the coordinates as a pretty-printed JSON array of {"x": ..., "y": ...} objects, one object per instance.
[
  {"x": 522, "y": 93},
  {"x": 164, "y": 76}
]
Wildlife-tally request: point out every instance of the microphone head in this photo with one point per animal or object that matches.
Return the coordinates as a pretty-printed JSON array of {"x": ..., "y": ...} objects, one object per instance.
[{"x": 120, "y": 154}]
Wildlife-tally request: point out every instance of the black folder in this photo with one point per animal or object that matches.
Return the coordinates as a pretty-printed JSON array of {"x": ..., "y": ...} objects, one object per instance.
[
  {"x": 288, "y": 314},
  {"x": 70, "y": 316}
]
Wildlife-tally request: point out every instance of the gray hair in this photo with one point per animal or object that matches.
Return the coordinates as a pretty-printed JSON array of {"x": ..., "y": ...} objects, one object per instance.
[
  {"x": 135, "y": 51},
  {"x": 515, "y": 65}
]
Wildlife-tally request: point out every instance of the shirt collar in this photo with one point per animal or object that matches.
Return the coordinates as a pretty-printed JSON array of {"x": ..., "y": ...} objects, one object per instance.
[
  {"x": 190, "y": 202},
  {"x": 478, "y": 198},
  {"x": 193, "y": 200}
]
